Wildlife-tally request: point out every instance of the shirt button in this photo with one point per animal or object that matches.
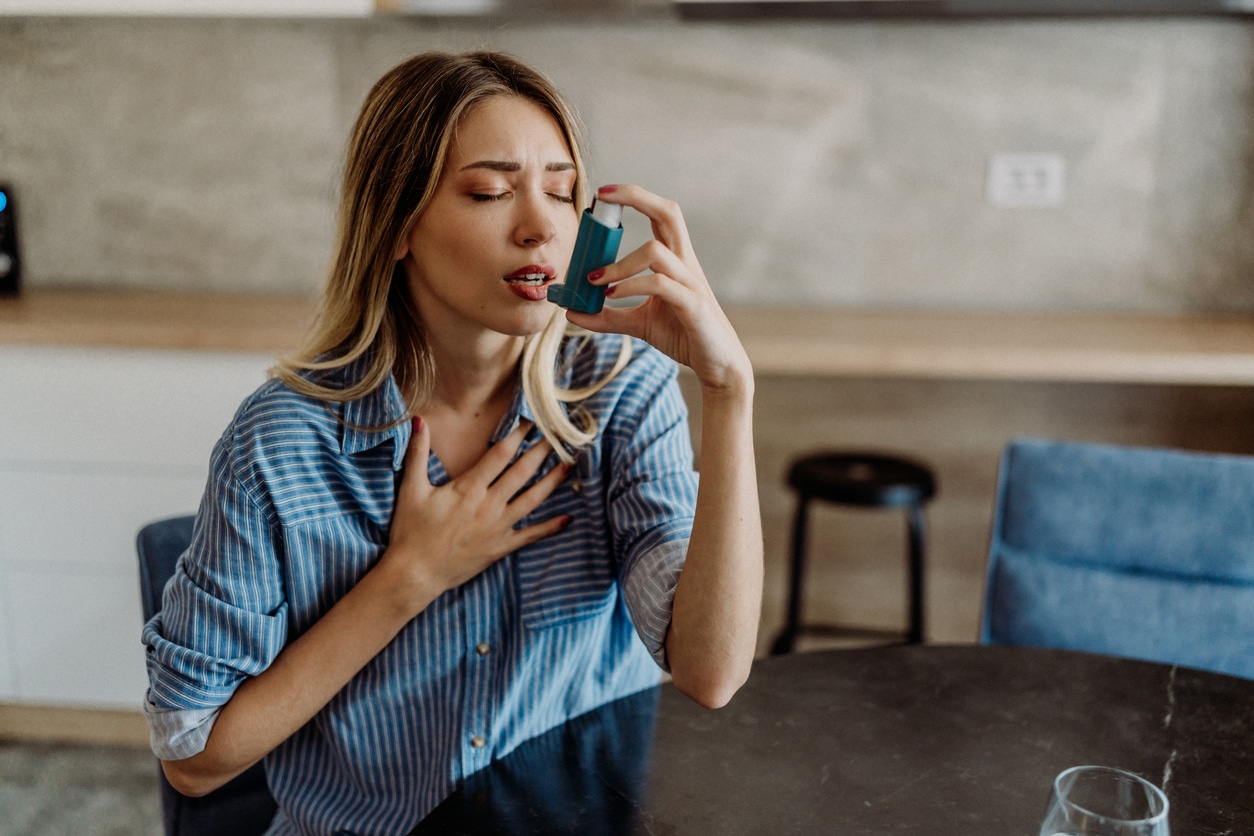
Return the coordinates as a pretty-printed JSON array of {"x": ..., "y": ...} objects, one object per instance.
[
  {"x": 478, "y": 741},
  {"x": 576, "y": 487},
  {"x": 483, "y": 648}
]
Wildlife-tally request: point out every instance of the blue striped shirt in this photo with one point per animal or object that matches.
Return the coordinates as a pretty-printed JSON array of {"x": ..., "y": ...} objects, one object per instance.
[{"x": 297, "y": 510}]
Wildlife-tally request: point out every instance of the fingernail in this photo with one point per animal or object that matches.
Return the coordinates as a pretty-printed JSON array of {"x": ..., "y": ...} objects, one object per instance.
[
  {"x": 607, "y": 189},
  {"x": 417, "y": 423},
  {"x": 567, "y": 520},
  {"x": 609, "y": 291},
  {"x": 596, "y": 274}
]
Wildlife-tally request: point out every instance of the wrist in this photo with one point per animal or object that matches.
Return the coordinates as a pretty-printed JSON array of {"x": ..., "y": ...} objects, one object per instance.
[
  {"x": 402, "y": 587},
  {"x": 735, "y": 385}
]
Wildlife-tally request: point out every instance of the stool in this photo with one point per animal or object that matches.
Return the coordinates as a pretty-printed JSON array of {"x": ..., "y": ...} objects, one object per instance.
[{"x": 865, "y": 480}]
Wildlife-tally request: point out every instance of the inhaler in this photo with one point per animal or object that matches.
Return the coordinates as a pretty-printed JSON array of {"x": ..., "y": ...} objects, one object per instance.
[{"x": 596, "y": 245}]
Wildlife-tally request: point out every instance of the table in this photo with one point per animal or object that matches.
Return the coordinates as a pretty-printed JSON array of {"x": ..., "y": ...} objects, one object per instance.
[{"x": 937, "y": 740}]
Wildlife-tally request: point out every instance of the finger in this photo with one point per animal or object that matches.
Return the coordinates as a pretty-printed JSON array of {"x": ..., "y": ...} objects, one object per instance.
[
  {"x": 664, "y": 215},
  {"x": 538, "y": 531},
  {"x": 414, "y": 478},
  {"x": 529, "y": 500},
  {"x": 524, "y": 467},
  {"x": 626, "y": 321},
  {"x": 655, "y": 285},
  {"x": 494, "y": 462},
  {"x": 650, "y": 256}
]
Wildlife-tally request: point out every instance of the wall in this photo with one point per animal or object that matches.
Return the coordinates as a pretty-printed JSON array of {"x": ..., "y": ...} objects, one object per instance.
[
  {"x": 832, "y": 163},
  {"x": 817, "y": 163}
]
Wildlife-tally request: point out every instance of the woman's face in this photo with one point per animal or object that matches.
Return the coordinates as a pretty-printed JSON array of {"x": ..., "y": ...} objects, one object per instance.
[{"x": 500, "y": 226}]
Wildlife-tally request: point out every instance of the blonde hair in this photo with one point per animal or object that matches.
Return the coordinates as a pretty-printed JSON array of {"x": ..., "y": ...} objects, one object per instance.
[{"x": 396, "y": 153}]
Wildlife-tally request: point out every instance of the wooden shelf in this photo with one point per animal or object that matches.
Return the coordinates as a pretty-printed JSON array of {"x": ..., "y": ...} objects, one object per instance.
[
  {"x": 839, "y": 342},
  {"x": 1107, "y": 347},
  {"x": 156, "y": 320}
]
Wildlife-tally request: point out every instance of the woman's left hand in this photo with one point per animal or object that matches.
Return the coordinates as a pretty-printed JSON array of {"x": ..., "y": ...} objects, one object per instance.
[{"x": 680, "y": 315}]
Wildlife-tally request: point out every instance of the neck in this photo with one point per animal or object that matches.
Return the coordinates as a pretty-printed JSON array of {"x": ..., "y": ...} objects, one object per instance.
[
  {"x": 474, "y": 384},
  {"x": 470, "y": 374}
]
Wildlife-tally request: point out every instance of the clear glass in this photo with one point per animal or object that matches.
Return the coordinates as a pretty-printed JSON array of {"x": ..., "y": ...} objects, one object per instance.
[{"x": 1101, "y": 801}]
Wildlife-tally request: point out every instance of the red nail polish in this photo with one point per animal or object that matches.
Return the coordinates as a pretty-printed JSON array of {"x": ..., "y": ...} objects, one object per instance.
[
  {"x": 596, "y": 274},
  {"x": 417, "y": 423},
  {"x": 607, "y": 189},
  {"x": 609, "y": 291}
]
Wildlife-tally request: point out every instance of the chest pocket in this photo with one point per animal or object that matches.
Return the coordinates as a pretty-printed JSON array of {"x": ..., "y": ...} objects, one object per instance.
[{"x": 571, "y": 575}]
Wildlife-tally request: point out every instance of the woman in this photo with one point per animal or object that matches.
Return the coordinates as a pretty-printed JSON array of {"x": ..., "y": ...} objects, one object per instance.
[{"x": 409, "y": 558}]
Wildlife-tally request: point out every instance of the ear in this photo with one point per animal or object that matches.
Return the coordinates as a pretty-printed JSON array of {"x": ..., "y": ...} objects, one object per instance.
[{"x": 402, "y": 249}]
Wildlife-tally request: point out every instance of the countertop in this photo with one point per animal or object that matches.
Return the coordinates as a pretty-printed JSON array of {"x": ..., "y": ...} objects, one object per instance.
[{"x": 947, "y": 345}]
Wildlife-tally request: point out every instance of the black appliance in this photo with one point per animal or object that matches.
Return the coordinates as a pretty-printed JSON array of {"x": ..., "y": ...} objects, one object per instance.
[{"x": 10, "y": 260}]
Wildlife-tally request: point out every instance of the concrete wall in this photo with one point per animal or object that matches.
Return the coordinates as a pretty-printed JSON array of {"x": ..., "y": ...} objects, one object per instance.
[{"x": 829, "y": 163}]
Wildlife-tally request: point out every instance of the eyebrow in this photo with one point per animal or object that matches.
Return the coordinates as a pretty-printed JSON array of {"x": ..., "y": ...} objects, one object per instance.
[{"x": 499, "y": 165}]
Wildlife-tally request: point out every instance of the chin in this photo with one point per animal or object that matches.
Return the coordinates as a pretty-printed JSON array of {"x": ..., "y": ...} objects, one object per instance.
[{"x": 529, "y": 324}]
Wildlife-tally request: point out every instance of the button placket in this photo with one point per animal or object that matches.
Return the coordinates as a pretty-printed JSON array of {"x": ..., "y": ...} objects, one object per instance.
[{"x": 482, "y": 623}]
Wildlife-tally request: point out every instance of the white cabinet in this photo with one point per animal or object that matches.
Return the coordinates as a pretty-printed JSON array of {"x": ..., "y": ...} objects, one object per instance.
[{"x": 93, "y": 444}]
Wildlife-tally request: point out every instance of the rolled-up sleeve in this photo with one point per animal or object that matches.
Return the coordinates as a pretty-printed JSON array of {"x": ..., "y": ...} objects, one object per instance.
[
  {"x": 652, "y": 499},
  {"x": 222, "y": 617}
]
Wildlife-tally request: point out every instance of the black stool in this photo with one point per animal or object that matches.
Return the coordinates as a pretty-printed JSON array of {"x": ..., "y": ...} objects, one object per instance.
[{"x": 866, "y": 480}]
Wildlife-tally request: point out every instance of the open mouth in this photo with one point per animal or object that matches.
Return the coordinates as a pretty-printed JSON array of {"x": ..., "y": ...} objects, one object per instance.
[{"x": 529, "y": 279}]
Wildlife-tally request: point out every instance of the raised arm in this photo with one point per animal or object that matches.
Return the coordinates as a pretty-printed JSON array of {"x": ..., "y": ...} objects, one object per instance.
[{"x": 714, "y": 621}]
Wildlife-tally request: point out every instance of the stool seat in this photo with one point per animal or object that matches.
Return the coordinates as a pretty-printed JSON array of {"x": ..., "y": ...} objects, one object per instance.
[{"x": 866, "y": 480}]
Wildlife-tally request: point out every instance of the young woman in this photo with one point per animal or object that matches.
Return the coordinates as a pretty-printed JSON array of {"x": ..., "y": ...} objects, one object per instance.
[{"x": 448, "y": 525}]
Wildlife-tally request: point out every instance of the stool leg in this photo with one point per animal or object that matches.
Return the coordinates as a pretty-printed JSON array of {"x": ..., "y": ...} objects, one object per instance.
[
  {"x": 788, "y": 637},
  {"x": 916, "y": 535}
]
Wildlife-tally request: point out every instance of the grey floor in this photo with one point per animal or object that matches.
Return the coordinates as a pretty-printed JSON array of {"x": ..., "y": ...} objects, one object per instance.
[{"x": 53, "y": 789}]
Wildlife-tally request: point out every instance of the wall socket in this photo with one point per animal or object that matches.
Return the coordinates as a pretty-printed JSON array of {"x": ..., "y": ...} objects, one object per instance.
[{"x": 1026, "y": 180}]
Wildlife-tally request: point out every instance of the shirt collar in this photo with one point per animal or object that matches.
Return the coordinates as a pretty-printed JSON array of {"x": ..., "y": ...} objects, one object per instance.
[
  {"x": 375, "y": 418},
  {"x": 383, "y": 414}
]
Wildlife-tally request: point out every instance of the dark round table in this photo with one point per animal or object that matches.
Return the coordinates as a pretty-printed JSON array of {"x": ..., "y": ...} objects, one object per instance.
[{"x": 935, "y": 740}]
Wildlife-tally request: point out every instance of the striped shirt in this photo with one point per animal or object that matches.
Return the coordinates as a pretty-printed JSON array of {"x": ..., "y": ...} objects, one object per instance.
[{"x": 297, "y": 510}]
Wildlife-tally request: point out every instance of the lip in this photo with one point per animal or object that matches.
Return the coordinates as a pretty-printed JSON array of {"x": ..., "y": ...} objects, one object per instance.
[
  {"x": 549, "y": 272},
  {"x": 531, "y": 292}
]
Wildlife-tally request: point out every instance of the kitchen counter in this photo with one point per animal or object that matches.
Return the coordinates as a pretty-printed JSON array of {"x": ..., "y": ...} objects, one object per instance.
[{"x": 944, "y": 345}]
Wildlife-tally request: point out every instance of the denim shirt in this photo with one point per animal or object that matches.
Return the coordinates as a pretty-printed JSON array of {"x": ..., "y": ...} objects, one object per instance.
[{"x": 297, "y": 510}]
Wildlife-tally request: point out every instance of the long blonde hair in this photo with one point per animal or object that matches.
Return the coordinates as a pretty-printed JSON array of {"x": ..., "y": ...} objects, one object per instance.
[{"x": 396, "y": 153}]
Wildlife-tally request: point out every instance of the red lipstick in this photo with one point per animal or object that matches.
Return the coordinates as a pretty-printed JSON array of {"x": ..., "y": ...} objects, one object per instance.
[{"x": 531, "y": 282}]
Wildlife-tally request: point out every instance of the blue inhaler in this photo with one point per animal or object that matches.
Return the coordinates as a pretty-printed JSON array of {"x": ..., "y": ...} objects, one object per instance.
[{"x": 596, "y": 245}]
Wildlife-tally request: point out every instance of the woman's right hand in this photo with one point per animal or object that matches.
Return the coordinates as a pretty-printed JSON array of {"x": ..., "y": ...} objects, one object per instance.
[{"x": 443, "y": 536}]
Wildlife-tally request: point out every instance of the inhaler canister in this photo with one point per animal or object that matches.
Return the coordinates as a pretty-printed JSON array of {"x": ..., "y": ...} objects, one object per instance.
[{"x": 596, "y": 245}]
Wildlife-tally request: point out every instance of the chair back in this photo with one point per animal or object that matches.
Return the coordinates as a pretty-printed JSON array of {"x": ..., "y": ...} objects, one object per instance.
[
  {"x": 1126, "y": 551},
  {"x": 243, "y": 806},
  {"x": 159, "y": 545}
]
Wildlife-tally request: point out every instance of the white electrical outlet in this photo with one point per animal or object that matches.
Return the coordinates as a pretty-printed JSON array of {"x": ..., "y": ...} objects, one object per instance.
[{"x": 1025, "y": 180}]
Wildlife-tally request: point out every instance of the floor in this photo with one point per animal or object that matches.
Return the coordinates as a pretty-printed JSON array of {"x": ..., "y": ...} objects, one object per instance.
[{"x": 51, "y": 789}]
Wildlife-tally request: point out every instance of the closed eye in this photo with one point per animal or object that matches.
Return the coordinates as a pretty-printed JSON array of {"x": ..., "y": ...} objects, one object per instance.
[
  {"x": 563, "y": 198},
  {"x": 488, "y": 198}
]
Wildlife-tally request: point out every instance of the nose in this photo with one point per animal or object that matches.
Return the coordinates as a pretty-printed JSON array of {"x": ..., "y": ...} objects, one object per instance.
[{"x": 536, "y": 224}]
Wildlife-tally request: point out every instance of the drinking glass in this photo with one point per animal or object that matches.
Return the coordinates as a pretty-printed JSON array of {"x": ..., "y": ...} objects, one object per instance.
[{"x": 1101, "y": 801}]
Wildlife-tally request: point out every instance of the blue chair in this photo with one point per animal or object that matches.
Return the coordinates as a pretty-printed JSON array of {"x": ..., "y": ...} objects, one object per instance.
[
  {"x": 1126, "y": 551},
  {"x": 243, "y": 806}
]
